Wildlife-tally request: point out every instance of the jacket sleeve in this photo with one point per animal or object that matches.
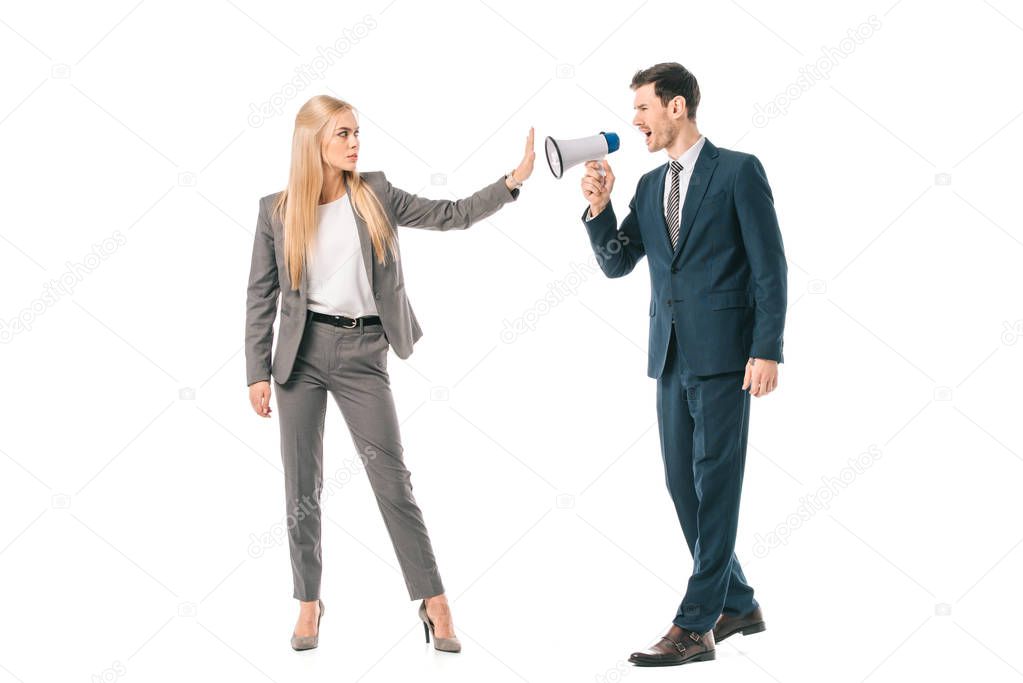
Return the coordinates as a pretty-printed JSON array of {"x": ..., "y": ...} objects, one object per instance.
[
  {"x": 758, "y": 223},
  {"x": 618, "y": 250},
  {"x": 261, "y": 303},
  {"x": 446, "y": 214}
]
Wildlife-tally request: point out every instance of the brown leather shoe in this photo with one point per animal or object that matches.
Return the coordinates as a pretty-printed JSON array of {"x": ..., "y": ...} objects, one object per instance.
[
  {"x": 746, "y": 624},
  {"x": 679, "y": 646}
]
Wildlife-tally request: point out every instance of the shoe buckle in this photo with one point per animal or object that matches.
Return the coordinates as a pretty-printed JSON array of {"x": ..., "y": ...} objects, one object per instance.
[
  {"x": 695, "y": 636},
  {"x": 678, "y": 646}
]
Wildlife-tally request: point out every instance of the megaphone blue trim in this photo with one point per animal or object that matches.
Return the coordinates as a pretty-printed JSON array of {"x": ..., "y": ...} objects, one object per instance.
[{"x": 612, "y": 141}]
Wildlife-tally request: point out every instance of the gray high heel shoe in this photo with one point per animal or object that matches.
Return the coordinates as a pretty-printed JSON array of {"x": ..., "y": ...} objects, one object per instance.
[
  {"x": 442, "y": 644},
  {"x": 308, "y": 642}
]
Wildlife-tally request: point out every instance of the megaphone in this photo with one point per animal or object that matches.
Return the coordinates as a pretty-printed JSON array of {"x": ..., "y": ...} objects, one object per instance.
[{"x": 564, "y": 154}]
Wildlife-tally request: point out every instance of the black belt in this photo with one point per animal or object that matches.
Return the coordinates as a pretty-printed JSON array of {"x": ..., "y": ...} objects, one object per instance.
[{"x": 344, "y": 321}]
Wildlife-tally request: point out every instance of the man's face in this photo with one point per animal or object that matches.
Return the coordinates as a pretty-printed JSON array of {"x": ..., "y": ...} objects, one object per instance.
[{"x": 660, "y": 124}]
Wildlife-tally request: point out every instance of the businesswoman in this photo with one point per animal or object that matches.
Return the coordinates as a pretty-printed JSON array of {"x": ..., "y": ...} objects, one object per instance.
[{"x": 327, "y": 246}]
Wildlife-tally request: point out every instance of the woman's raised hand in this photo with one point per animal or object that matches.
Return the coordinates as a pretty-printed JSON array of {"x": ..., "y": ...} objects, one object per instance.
[{"x": 525, "y": 168}]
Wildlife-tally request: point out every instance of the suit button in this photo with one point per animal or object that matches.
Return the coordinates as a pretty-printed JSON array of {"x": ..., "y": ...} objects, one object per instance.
[
  {"x": 668, "y": 302},
  {"x": 674, "y": 269},
  {"x": 376, "y": 296}
]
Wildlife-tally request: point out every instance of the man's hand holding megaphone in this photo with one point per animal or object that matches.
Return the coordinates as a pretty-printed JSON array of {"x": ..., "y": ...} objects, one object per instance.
[
  {"x": 563, "y": 154},
  {"x": 597, "y": 184}
]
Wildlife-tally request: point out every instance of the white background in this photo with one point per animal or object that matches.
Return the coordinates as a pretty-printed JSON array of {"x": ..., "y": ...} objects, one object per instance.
[{"x": 135, "y": 475}]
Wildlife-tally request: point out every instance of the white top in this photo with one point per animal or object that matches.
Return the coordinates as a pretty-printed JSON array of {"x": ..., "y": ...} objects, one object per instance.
[
  {"x": 338, "y": 284},
  {"x": 688, "y": 160}
]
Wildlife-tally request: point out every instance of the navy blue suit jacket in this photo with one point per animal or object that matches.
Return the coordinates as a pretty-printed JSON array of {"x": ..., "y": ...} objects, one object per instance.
[{"x": 725, "y": 285}]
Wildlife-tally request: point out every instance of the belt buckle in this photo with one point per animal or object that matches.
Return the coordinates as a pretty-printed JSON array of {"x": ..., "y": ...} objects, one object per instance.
[{"x": 355, "y": 323}]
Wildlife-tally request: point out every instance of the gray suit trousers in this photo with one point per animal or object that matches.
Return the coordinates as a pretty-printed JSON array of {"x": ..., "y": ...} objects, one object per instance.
[{"x": 351, "y": 364}]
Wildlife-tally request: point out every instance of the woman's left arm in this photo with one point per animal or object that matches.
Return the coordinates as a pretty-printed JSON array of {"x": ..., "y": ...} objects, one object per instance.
[{"x": 446, "y": 214}]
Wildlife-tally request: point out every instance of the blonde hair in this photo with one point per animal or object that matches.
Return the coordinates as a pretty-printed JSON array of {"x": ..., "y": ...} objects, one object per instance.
[{"x": 296, "y": 205}]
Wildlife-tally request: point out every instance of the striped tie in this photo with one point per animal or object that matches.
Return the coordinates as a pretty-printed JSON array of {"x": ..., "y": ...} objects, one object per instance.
[{"x": 672, "y": 216}]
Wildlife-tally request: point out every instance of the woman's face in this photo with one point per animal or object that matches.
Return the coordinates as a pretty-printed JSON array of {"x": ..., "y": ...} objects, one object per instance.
[{"x": 341, "y": 141}]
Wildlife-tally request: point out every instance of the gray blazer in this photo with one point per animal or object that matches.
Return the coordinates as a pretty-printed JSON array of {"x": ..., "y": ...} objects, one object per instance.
[{"x": 268, "y": 275}]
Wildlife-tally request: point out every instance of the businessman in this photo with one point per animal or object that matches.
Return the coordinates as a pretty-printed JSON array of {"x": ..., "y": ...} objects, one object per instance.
[{"x": 705, "y": 220}]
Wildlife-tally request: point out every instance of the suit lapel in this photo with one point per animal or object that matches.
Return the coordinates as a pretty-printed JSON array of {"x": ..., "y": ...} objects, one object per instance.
[
  {"x": 706, "y": 162},
  {"x": 365, "y": 243},
  {"x": 303, "y": 286},
  {"x": 279, "y": 238}
]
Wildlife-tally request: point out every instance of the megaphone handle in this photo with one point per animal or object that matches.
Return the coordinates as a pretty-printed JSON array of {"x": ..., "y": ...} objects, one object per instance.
[{"x": 600, "y": 168}]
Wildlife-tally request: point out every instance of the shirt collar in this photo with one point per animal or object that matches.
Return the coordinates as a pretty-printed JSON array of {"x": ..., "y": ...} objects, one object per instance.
[{"x": 688, "y": 157}]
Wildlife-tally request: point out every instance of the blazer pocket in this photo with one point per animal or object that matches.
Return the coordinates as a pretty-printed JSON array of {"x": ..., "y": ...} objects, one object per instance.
[
  {"x": 714, "y": 199},
  {"x": 735, "y": 299}
]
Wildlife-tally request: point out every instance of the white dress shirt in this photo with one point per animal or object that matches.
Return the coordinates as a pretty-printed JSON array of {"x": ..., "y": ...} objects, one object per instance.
[
  {"x": 338, "y": 284},
  {"x": 688, "y": 160}
]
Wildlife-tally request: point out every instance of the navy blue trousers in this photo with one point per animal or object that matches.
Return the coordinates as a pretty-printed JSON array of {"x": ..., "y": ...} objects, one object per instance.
[{"x": 704, "y": 425}]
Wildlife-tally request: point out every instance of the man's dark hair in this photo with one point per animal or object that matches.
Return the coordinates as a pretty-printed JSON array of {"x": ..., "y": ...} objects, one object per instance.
[{"x": 671, "y": 79}]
